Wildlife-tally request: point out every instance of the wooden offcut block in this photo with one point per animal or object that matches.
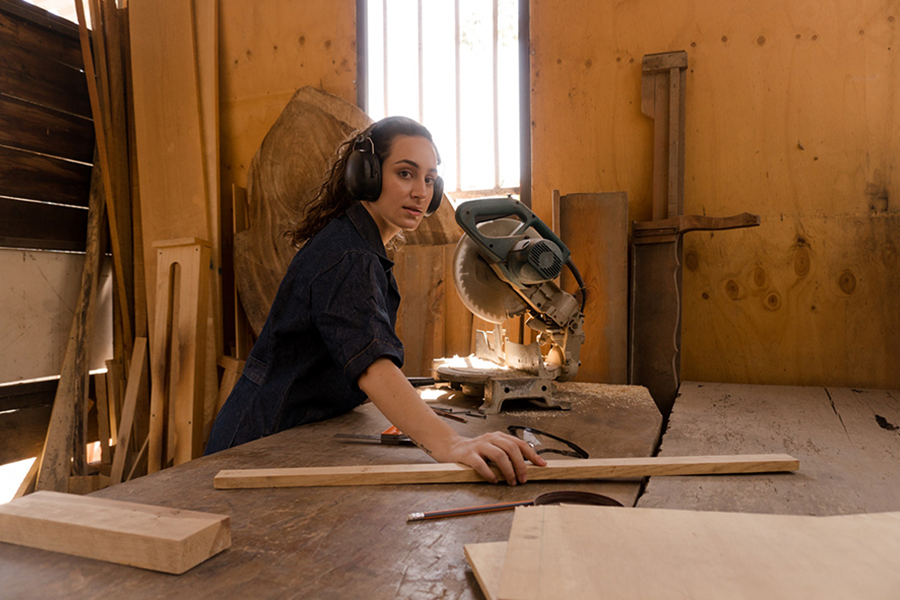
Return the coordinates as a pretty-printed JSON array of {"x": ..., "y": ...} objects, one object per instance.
[
  {"x": 138, "y": 535},
  {"x": 589, "y": 468}
]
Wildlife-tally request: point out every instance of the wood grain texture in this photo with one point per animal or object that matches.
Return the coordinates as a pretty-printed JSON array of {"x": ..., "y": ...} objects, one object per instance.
[
  {"x": 167, "y": 129},
  {"x": 577, "y": 552},
  {"x": 595, "y": 228},
  {"x": 588, "y": 468},
  {"x": 42, "y": 80},
  {"x": 344, "y": 542},
  {"x": 43, "y": 178},
  {"x": 178, "y": 353},
  {"x": 845, "y": 438},
  {"x": 486, "y": 561},
  {"x": 66, "y": 420},
  {"x": 138, "y": 535},
  {"x": 284, "y": 176},
  {"x": 39, "y": 129},
  {"x": 761, "y": 137},
  {"x": 136, "y": 376}
]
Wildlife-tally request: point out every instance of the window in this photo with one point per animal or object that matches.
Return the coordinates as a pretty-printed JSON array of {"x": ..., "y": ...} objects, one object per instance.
[{"x": 454, "y": 66}]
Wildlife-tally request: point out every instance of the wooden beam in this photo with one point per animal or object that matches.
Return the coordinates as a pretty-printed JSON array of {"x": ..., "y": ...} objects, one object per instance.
[
  {"x": 58, "y": 453},
  {"x": 150, "y": 537},
  {"x": 132, "y": 391},
  {"x": 589, "y": 468}
]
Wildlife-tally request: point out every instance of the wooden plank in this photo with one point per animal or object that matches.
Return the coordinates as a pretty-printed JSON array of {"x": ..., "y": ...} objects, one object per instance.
[
  {"x": 36, "y": 177},
  {"x": 486, "y": 561},
  {"x": 103, "y": 153},
  {"x": 167, "y": 131},
  {"x": 842, "y": 436},
  {"x": 37, "y": 79},
  {"x": 588, "y": 468},
  {"x": 42, "y": 226},
  {"x": 40, "y": 129},
  {"x": 586, "y": 552},
  {"x": 132, "y": 391},
  {"x": 243, "y": 334},
  {"x": 68, "y": 405},
  {"x": 127, "y": 533},
  {"x": 595, "y": 228},
  {"x": 419, "y": 271},
  {"x": 178, "y": 353},
  {"x": 40, "y": 33},
  {"x": 458, "y": 320},
  {"x": 103, "y": 423}
]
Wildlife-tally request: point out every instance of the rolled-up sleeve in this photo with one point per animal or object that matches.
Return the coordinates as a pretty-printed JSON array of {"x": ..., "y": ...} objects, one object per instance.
[{"x": 350, "y": 310}]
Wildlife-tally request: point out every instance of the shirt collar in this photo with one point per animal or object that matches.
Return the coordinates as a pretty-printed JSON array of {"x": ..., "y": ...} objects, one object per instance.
[{"x": 368, "y": 230}]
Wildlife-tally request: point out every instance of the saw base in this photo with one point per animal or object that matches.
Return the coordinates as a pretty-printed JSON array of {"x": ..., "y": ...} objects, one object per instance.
[{"x": 499, "y": 384}]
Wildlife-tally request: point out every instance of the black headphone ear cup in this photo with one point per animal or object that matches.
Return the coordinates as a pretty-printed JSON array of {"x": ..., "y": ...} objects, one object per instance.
[
  {"x": 362, "y": 175},
  {"x": 436, "y": 197}
]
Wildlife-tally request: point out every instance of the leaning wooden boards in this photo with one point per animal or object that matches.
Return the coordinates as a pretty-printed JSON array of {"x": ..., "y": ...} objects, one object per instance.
[
  {"x": 589, "y": 468},
  {"x": 139, "y": 535}
]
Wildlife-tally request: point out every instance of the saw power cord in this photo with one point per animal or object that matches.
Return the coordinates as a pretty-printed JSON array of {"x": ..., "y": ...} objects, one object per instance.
[{"x": 579, "y": 281}]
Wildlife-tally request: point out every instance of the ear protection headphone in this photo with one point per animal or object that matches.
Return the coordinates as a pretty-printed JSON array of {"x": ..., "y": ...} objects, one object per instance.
[{"x": 363, "y": 173}]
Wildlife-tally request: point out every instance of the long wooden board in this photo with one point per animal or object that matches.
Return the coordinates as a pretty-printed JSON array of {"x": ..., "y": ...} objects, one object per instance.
[
  {"x": 139, "y": 535},
  {"x": 585, "y": 552},
  {"x": 589, "y": 468}
]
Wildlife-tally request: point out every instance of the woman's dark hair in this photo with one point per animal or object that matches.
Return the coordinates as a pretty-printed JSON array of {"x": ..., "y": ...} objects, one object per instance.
[{"x": 333, "y": 198}]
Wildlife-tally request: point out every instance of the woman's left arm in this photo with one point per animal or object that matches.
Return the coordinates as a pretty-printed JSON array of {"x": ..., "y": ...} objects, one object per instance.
[{"x": 391, "y": 392}]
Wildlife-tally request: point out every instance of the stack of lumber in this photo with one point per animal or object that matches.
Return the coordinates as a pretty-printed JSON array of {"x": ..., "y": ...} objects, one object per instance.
[
  {"x": 152, "y": 77},
  {"x": 575, "y": 552}
]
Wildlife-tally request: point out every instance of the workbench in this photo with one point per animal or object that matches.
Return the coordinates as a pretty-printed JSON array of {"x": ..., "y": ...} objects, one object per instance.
[
  {"x": 345, "y": 542},
  {"x": 847, "y": 441}
]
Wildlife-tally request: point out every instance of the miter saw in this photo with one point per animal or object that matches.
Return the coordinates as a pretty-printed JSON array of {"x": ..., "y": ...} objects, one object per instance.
[{"x": 505, "y": 266}]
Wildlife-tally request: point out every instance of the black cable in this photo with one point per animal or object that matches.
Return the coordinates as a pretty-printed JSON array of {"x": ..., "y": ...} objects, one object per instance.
[{"x": 578, "y": 280}]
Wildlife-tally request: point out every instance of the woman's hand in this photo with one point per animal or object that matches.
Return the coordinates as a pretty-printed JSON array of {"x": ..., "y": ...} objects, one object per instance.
[
  {"x": 507, "y": 452},
  {"x": 391, "y": 392}
]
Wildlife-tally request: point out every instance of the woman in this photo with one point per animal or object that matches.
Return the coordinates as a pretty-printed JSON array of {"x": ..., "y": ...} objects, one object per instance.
[{"x": 329, "y": 340}]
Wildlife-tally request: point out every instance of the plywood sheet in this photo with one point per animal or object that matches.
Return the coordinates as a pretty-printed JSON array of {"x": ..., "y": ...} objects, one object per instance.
[
  {"x": 486, "y": 561},
  {"x": 140, "y": 535},
  {"x": 595, "y": 228},
  {"x": 580, "y": 552},
  {"x": 791, "y": 114}
]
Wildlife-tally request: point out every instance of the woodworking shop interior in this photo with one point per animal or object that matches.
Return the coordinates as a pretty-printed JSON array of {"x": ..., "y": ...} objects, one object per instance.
[{"x": 724, "y": 174}]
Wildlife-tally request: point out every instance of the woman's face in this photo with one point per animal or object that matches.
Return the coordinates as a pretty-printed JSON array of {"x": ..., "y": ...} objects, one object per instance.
[{"x": 407, "y": 185}]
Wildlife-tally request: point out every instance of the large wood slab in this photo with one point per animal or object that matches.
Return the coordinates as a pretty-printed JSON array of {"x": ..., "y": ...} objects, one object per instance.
[
  {"x": 139, "y": 535},
  {"x": 847, "y": 441},
  {"x": 579, "y": 552},
  {"x": 344, "y": 542},
  {"x": 557, "y": 470}
]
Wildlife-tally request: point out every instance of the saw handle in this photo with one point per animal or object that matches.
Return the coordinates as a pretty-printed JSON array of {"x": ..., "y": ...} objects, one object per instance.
[{"x": 470, "y": 214}]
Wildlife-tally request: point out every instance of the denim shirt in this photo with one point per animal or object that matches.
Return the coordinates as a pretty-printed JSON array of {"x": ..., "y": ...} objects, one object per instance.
[{"x": 333, "y": 316}]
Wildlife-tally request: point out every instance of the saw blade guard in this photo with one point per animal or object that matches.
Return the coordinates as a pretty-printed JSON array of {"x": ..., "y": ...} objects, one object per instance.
[
  {"x": 524, "y": 251},
  {"x": 478, "y": 285}
]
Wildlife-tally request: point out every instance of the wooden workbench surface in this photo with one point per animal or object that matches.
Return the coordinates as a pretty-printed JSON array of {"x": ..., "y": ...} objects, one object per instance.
[
  {"x": 344, "y": 542},
  {"x": 847, "y": 440}
]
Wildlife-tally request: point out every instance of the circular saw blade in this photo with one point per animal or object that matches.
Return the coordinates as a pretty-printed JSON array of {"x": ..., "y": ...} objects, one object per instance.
[{"x": 479, "y": 287}]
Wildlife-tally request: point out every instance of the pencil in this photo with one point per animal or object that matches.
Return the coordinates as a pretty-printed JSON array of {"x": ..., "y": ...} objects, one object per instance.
[{"x": 469, "y": 510}]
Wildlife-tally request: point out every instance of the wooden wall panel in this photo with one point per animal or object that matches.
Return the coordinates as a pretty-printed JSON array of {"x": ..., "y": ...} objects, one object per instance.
[
  {"x": 792, "y": 113},
  {"x": 268, "y": 50},
  {"x": 39, "y": 129},
  {"x": 38, "y": 177}
]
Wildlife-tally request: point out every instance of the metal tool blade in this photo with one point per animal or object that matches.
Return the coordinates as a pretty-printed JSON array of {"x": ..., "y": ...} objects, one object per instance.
[{"x": 479, "y": 287}]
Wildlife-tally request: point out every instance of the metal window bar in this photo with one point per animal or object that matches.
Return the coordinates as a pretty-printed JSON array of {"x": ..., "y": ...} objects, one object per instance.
[{"x": 458, "y": 76}]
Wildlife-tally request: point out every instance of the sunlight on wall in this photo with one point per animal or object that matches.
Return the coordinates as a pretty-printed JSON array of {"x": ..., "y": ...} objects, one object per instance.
[{"x": 11, "y": 477}]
